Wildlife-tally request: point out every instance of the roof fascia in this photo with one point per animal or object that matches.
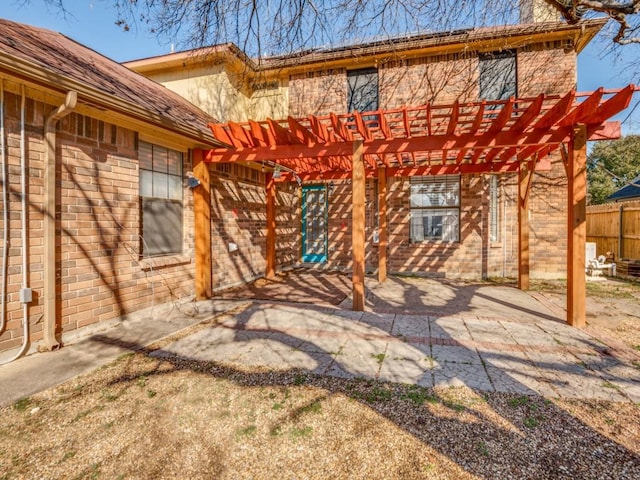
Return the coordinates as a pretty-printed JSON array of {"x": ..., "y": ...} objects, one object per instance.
[
  {"x": 502, "y": 38},
  {"x": 35, "y": 73},
  {"x": 233, "y": 57},
  {"x": 487, "y": 39}
]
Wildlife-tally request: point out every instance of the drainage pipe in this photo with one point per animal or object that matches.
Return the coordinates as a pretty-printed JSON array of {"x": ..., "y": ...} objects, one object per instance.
[
  {"x": 5, "y": 212},
  {"x": 25, "y": 292},
  {"x": 50, "y": 341}
]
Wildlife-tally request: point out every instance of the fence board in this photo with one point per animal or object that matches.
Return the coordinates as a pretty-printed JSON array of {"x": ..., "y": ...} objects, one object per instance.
[{"x": 605, "y": 229}]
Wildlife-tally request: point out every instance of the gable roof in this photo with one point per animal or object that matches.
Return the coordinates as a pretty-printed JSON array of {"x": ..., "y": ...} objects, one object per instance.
[
  {"x": 628, "y": 192},
  {"x": 55, "y": 61}
]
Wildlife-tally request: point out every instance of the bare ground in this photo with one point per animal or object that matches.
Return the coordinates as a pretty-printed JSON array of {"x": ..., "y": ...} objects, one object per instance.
[{"x": 143, "y": 417}]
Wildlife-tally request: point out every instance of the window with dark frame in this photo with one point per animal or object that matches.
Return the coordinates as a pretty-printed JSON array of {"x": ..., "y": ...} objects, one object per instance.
[
  {"x": 161, "y": 199},
  {"x": 363, "y": 90},
  {"x": 435, "y": 208},
  {"x": 498, "y": 79}
]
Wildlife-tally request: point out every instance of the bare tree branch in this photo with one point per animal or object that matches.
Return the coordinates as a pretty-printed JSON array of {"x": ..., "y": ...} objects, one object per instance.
[
  {"x": 574, "y": 10},
  {"x": 281, "y": 27}
]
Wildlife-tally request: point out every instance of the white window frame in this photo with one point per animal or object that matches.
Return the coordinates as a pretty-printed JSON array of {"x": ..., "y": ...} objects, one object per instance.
[{"x": 435, "y": 209}]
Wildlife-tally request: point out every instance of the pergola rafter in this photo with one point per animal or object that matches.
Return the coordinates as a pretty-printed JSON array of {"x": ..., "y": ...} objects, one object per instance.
[
  {"x": 514, "y": 135},
  {"x": 493, "y": 134}
]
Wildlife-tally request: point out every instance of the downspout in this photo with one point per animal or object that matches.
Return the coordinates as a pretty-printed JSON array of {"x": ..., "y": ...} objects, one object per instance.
[
  {"x": 25, "y": 291},
  {"x": 49, "y": 308},
  {"x": 5, "y": 214}
]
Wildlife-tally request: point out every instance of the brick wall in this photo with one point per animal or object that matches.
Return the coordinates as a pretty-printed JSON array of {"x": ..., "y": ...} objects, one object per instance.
[
  {"x": 548, "y": 222},
  {"x": 548, "y": 68},
  {"x": 238, "y": 217},
  {"x": 101, "y": 274},
  {"x": 444, "y": 79},
  {"x": 319, "y": 92}
]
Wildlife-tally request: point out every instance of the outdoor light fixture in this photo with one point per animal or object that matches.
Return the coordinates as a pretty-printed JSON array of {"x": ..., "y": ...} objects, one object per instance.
[
  {"x": 192, "y": 181},
  {"x": 331, "y": 187},
  {"x": 298, "y": 179},
  {"x": 276, "y": 172}
]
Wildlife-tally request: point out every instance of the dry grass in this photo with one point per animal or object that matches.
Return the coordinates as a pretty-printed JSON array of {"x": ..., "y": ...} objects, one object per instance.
[{"x": 142, "y": 417}]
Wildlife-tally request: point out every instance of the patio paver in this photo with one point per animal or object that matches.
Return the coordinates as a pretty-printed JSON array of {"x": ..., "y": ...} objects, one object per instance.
[{"x": 482, "y": 353}]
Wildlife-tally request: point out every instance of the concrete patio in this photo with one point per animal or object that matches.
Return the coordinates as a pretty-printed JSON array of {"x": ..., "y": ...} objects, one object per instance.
[
  {"x": 425, "y": 332},
  {"x": 418, "y": 331}
]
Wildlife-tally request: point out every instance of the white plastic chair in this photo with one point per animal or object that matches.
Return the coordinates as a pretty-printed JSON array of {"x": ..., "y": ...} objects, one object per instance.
[{"x": 598, "y": 266}]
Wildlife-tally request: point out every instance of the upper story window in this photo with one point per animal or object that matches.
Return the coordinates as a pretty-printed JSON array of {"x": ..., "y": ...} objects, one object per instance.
[
  {"x": 363, "y": 90},
  {"x": 161, "y": 198},
  {"x": 498, "y": 75}
]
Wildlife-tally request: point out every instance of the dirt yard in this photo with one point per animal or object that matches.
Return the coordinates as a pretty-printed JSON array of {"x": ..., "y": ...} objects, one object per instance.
[
  {"x": 613, "y": 307},
  {"x": 143, "y": 417}
]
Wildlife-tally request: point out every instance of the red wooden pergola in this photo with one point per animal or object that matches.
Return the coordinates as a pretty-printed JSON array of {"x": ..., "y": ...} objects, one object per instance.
[{"x": 514, "y": 135}]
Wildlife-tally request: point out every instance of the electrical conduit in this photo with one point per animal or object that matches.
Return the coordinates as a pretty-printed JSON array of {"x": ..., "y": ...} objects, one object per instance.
[
  {"x": 23, "y": 218},
  {"x": 5, "y": 213}
]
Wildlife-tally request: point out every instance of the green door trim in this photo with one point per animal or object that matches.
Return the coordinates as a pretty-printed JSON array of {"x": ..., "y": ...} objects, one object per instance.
[{"x": 311, "y": 253}]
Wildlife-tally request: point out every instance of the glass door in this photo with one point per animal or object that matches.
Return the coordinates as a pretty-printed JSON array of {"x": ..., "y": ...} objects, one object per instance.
[{"x": 314, "y": 223}]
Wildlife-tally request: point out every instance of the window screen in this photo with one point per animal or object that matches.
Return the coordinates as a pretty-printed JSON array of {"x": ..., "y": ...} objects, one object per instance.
[
  {"x": 161, "y": 199},
  {"x": 435, "y": 208},
  {"x": 363, "y": 90},
  {"x": 498, "y": 76}
]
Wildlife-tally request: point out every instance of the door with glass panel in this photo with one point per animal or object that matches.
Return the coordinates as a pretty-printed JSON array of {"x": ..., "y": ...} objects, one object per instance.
[{"x": 314, "y": 223}]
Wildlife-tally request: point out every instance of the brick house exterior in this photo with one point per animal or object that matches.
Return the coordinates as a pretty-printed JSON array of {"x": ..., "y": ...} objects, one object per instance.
[
  {"x": 102, "y": 267},
  {"x": 438, "y": 69}
]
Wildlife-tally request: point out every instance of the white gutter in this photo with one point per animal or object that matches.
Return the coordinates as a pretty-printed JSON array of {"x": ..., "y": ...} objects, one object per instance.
[{"x": 49, "y": 308}]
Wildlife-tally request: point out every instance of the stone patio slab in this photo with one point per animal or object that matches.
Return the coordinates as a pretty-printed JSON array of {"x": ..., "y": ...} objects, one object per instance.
[
  {"x": 458, "y": 375},
  {"x": 446, "y": 354},
  {"x": 411, "y": 326}
]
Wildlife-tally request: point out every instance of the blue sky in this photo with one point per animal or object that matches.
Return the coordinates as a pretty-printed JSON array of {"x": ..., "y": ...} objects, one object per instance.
[{"x": 92, "y": 23}]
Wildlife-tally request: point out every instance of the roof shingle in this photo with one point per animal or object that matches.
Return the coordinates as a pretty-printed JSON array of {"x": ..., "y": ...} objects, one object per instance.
[{"x": 57, "y": 54}]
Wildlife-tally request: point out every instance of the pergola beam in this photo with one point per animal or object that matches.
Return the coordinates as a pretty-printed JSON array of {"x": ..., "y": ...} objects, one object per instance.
[
  {"x": 505, "y": 139},
  {"x": 271, "y": 226},
  {"x": 382, "y": 225},
  {"x": 357, "y": 226},
  {"x": 202, "y": 226},
  {"x": 577, "y": 228},
  {"x": 525, "y": 177}
]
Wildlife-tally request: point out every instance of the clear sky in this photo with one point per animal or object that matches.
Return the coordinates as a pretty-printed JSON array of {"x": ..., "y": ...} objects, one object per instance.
[{"x": 92, "y": 23}]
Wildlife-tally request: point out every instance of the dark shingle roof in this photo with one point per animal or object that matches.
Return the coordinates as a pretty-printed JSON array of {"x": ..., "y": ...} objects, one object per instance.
[
  {"x": 627, "y": 192},
  {"x": 119, "y": 88}
]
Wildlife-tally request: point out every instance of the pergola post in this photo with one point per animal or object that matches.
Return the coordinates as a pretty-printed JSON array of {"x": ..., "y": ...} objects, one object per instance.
[
  {"x": 358, "y": 223},
  {"x": 382, "y": 224},
  {"x": 202, "y": 221},
  {"x": 577, "y": 228},
  {"x": 271, "y": 226},
  {"x": 525, "y": 175}
]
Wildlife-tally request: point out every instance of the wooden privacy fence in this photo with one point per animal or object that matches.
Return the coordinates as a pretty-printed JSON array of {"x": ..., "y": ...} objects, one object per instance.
[{"x": 615, "y": 227}]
